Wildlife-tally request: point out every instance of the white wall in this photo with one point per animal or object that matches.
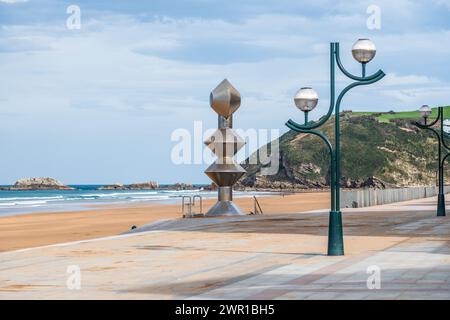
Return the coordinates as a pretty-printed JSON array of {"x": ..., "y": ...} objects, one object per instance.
[{"x": 373, "y": 197}]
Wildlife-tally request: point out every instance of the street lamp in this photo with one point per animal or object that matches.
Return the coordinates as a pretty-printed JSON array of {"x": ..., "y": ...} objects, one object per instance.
[
  {"x": 425, "y": 112},
  {"x": 306, "y": 100},
  {"x": 364, "y": 51}
]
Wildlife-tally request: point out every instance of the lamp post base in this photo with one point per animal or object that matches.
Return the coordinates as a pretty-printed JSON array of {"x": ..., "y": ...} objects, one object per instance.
[
  {"x": 335, "y": 234},
  {"x": 441, "y": 205}
]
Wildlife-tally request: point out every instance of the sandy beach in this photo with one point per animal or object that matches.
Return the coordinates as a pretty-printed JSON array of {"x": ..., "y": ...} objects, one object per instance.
[{"x": 32, "y": 230}]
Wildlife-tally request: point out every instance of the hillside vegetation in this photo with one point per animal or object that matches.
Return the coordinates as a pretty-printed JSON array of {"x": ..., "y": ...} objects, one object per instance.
[{"x": 377, "y": 150}]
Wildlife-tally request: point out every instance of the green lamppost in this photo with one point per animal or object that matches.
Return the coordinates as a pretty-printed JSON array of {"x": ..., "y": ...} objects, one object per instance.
[
  {"x": 425, "y": 111},
  {"x": 306, "y": 100}
]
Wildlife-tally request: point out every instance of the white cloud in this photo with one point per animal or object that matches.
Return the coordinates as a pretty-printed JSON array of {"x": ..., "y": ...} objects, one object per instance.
[
  {"x": 392, "y": 79},
  {"x": 118, "y": 75},
  {"x": 13, "y": 1},
  {"x": 445, "y": 3},
  {"x": 415, "y": 97},
  {"x": 106, "y": 63}
]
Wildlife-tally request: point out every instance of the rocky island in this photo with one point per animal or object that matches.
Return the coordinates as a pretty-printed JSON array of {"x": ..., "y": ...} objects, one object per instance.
[
  {"x": 37, "y": 184},
  {"x": 149, "y": 185}
]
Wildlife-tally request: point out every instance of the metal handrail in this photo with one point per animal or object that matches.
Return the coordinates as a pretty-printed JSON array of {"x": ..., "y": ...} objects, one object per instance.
[
  {"x": 189, "y": 202},
  {"x": 201, "y": 202},
  {"x": 256, "y": 203},
  {"x": 189, "y": 205}
]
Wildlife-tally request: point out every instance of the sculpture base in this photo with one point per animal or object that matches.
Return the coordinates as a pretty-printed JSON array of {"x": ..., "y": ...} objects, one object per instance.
[{"x": 224, "y": 208}]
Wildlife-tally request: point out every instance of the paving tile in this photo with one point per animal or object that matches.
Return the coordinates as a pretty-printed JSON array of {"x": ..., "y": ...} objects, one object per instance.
[
  {"x": 213, "y": 260},
  {"x": 322, "y": 296}
]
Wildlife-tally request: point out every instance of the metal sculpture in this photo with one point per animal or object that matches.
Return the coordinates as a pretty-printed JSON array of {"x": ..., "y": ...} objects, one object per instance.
[{"x": 225, "y": 143}]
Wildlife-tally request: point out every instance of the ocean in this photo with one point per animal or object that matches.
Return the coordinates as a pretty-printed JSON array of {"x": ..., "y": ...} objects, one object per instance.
[{"x": 87, "y": 197}]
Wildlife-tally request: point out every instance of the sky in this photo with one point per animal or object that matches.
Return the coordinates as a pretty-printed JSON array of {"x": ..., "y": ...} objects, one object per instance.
[{"x": 99, "y": 104}]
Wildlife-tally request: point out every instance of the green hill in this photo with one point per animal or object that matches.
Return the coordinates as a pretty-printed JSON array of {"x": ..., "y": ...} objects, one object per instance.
[
  {"x": 411, "y": 115},
  {"x": 377, "y": 149}
]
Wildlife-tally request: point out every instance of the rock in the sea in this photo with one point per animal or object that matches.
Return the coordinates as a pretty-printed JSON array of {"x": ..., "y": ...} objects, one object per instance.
[
  {"x": 39, "y": 184},
  {"x": 181, "y": 186},
  {"x": 116, "y": 186},
  {"x": 211, "y": 187},
  {"x": 150, "y": 185}
]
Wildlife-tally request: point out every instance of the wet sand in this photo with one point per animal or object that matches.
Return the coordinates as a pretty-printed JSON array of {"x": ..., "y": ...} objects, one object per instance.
[{"x": 32, "y": 230}]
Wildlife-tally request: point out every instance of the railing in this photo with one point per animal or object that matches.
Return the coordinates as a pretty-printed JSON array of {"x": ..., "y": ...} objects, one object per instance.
[
  {"x": 188, "y": 206},
  {"x": 201, "y": 203},
  {"x": 256, "y": 206}
]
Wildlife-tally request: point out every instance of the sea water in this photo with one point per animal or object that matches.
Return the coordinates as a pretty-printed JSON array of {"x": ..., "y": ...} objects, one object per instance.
[{"x": 86, "y": 197}]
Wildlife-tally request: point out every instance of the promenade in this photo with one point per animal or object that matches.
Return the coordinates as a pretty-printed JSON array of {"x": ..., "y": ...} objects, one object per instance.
[{"x": 280, "y": 256}]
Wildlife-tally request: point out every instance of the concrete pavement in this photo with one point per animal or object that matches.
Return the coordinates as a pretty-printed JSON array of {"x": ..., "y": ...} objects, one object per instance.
[{"x": 403, "y": 245}]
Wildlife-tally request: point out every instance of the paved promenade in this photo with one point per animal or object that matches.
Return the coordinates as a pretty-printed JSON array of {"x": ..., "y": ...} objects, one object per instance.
[{"x": 279, "y": 256}]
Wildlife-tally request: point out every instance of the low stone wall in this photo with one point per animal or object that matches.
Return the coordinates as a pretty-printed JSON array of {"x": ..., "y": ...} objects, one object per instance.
[{"x": 374, "y": 197}]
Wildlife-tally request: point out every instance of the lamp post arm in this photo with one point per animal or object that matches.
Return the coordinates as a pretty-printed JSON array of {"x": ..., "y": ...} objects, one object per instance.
[
  {"x": 426, "y": 126},
  {"x": 445, "y": 144},
  {"x": 441, "y": 118},
  {"x": 317, "y": 133},
  {"x": 332, "y": 162},
  {"x": 322, "y": 120},
  {"x": 445, "y": 158},
  {"x": 440, "y": 161},
  {"x": 442, "y": 170},
  {"x": 421, "y": 126},
  {"x": 429, "y": 125},
  {"x": 351, "y": 76}
]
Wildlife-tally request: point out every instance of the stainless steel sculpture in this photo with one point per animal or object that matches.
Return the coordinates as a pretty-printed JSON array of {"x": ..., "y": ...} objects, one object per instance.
[{"x": 225, "y": 143}]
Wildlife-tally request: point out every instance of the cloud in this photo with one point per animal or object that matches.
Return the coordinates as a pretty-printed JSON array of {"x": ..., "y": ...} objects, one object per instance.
[
  {"x": 139, "y": 66},
  {"x": 123, "y": 78},
  {"x": 445, "y": 3},
  {"x": 392, "y": 79},
  {"x": 13, "y": 1},
  {"x": 435, "y": 96}
]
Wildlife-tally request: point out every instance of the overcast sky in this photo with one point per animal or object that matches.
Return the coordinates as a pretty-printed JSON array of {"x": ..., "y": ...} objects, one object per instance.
[{"x": 99, "y": 104}]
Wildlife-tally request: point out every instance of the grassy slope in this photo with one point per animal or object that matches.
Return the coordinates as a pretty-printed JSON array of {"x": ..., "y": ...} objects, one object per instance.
[{"x": 385, "y": 117}]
